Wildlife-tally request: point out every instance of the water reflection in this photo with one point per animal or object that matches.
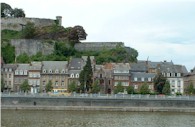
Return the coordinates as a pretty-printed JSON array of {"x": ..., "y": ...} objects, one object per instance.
[{"x": 26, "y": 118}]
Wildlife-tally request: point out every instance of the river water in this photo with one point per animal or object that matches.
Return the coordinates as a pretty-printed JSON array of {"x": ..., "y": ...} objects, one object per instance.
[{"x": 31, "y": 118}]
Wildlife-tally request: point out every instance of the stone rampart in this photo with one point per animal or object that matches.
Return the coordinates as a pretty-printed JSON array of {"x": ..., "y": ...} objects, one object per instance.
[
  {"x": 31, "y": 46},
  {"x": 17, "y": 23},
  {"x": 96, "y": 46}
]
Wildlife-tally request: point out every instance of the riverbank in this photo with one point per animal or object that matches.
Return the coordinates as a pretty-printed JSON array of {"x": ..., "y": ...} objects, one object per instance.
[{"x": 98, "y": 108}]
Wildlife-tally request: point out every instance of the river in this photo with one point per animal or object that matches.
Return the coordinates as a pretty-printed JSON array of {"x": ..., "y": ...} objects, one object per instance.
[{"x": 35, "y": 118}]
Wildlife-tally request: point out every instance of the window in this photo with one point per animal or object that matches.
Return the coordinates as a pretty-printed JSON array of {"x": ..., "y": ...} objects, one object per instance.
[
  {"x": 178, "y": 74},
  {"x": 21, "y": 72},
  {"x": 135, "y": 86},
  {"x": 109, "y": 82},
  {"x": 168, "y": 74},
  {"x": 100, "y": 75},
  {"x": 150, "y": 87},
  {"x": 72, "y": 75},
  {"x": 5, "y": 69},
  {"x": 25, "y": 72},
  {"x": 9, "y": 75},
  {"x": 56, "y": 83},
  {"x": 62, "y": 83},
  {"x": 44, "y": 83},
  {"x": 77, "y": 75},
  {"x": 44, "y": 71},
  {"x": 149, "y": 79},
  {"x": 142, "y": 79},
  {"x": 10, "y": 83},
  {"x": 135, "y": 78},
  {"x": 63, "y": 71},
  {"x": 50, "y": 71},
  {"x": 56, "y": 71},
  {"x": 16, "y": 72},
  {"x": 10, "y": 69}
]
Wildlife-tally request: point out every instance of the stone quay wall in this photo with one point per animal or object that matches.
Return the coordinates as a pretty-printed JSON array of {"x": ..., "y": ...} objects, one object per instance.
[{"x": 110, "y": 104}]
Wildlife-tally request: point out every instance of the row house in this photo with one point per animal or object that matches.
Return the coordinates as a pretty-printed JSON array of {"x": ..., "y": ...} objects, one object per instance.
[
  {"x": 121, "y": 73},
  {"x": 34, "y": 76},
  {"x": 20, "y": 75},
  {"x": 103, "y": 73},
  {"x": 189, "y": 78},
  {"x": 74, "y": 68},
  {"x": 139, "y": 78},
  {"x": 174, "y": 74},
  {"x": 7, "y": 75},
  {"x": 56, "y": 72}
]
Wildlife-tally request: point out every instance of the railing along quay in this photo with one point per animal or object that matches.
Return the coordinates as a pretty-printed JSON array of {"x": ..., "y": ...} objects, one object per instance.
[{"x": 105, "y": 96}]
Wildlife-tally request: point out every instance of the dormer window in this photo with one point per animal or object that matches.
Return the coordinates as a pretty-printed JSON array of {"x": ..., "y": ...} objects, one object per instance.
[
  {"x": 135, "y": 79},
  {"x": 50, "y": 71},
  {"x": 72, "y": 75},
  {"x": 25, "y": 72},
  {"x": 10, "y": 69},
  {"x": 142, "y": 79},
  {"x": 44, "y": 71},
  {"x": 56, "y": 71},
  {"x": 63, "y": 71},
  {"x": 77, "y": 75},
  {"x": 16, "y": 72}
]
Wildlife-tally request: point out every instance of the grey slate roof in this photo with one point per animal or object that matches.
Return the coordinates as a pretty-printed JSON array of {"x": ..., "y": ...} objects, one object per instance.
[
  {"x": 140, "y": 66},
  {"x": 12, "y": 66},
  {"x": 142, "y": 75},
  {"x": 54, "y": 65},
  {"x": 76, "y": 64},
  {"x": 122, "y": 66},
  {"x": 23, "y": 67}
]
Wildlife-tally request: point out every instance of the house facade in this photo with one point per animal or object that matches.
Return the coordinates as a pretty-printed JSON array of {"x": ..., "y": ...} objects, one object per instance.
[
  {"x": 56, "y": 72},
  {"x": 20, "y": 74},
  {"x": 34, "y": 76},
  {"x": 7, "y": 75}
]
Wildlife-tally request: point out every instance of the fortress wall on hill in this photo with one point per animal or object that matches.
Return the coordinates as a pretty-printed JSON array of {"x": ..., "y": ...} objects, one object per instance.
[
  {"x": 31, "y": 47},
  {"x": 96, "y": 46},
  {"x": 15, "y": 23}
]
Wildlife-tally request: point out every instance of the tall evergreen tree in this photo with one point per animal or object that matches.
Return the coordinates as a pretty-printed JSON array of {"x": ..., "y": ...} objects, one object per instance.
[
  {"x": 159, "y": 82},
  {"x": 49, "y": 86},
  {"x": 86, "y": 75}
]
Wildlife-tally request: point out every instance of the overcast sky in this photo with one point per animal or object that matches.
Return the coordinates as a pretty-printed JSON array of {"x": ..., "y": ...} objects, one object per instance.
[{"x": 158, "y": 29}]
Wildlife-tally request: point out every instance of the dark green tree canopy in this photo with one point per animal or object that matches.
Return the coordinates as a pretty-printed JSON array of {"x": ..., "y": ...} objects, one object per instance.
[
  {"x": 16, "y": 12},
  {"x": 144, "y": 89},
  {"x": 118, "y": 88},
  {"x": 25, "y": 86},
  {"x": 49, "y": 86},
  {"x": 85, "y": 78},
  {"x": 166, "y": 89},
  {"x": 6, "y": 10},
  {"x": 159, "y": 82}
]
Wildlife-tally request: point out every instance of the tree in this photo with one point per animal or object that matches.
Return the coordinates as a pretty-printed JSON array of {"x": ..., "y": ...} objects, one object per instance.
[
  {"x": 190, "y": 89},
  {"x": 16, "y": 12},
  {"x": 29, "y": 31},
  {"x": 130, "y": 90},
  {"x": 72, "y": 87},
  {"x": 23, "y": 58},
  {"x": 85, "y": 78},
  {"x": 166, "y": 89},
  {"x": 144, "y": 89},
  {"x": 25, "y": 86},
  {"x": 8, "y": 53},
  {"x": 49, "y": 86},
  {"x": 96, "y": 87},
  {"x": 6, "y": 10},
  {"x": 118, "y": 88},
  {"x": 2, "y": 84},
  {"x": 159, "y": 82}
]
